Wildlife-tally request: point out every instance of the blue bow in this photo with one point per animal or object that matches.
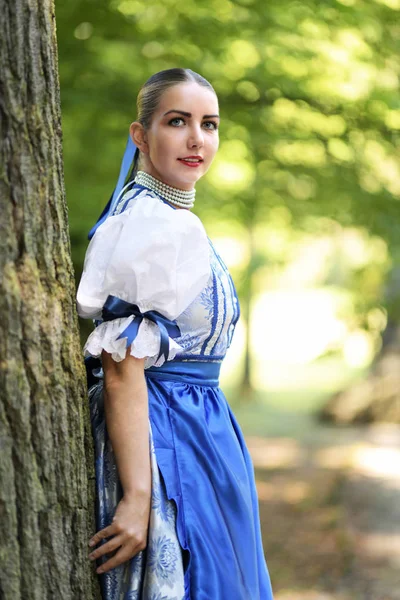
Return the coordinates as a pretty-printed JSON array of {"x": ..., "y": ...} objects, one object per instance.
[
  {"x": 128, "y": 158},
  {"x": 115, "y": 308}
]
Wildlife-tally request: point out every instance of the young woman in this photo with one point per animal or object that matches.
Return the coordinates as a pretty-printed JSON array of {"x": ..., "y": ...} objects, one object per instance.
[{"x": 177, "y": 507}]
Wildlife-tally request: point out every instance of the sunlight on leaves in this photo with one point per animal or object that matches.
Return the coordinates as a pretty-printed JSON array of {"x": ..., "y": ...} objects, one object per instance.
[
  {"x": 244, "y": 54},
  {"x": 153, "y": 50},
  {"x": 308, "y": 153},
  {"x": 83, "y": 31},
  {"x": 248, "y": 90},
  {"x": 392, "y": 119},
  {"x": 226, "y": 175},
  {"x": 393, "y": 4}
]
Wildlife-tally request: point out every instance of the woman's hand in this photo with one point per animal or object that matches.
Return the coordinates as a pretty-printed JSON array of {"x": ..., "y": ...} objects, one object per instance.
[{"x": 128, "y": 531}]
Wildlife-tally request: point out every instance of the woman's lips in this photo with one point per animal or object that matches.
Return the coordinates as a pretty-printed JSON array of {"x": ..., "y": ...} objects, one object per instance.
[{"x": 191, "y": 163}]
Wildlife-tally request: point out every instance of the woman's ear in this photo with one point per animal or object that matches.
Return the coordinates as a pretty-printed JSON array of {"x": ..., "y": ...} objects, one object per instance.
[{"x": 139, "y": 137}]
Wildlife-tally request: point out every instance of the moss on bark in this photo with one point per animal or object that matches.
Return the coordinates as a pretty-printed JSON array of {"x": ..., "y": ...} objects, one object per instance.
[{"x": 46, "y": 463}]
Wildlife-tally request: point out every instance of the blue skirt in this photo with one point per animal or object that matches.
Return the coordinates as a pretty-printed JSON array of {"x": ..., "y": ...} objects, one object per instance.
[{"x": 204, "y": 537}]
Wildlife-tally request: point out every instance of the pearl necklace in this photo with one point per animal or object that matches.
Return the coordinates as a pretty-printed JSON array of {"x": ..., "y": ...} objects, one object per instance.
[{"x": 181, "y": 198}]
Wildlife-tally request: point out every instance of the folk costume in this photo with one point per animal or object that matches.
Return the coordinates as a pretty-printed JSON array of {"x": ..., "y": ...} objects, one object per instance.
[{"x": 153, "y": 281}]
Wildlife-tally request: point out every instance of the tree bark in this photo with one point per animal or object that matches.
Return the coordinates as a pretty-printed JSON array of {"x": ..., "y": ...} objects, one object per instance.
[
  {"x": 246, "y": 387},
  {"x": 45, "y": 500},
  {"x": 376, "y": 398}
]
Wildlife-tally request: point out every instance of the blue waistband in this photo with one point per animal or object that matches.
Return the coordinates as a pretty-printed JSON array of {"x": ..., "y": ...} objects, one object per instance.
[{"x": 200, "y": 373}]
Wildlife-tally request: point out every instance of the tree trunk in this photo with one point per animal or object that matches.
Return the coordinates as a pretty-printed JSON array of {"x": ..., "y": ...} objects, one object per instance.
[
  {"x": 246, "y": 387},
  {"x": 45, "y": 501},
  {"x": 376, "y": 398}
]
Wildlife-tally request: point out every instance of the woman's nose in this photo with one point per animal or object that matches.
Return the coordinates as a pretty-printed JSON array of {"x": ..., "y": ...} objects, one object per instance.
[{"x": 196, "y": 137}]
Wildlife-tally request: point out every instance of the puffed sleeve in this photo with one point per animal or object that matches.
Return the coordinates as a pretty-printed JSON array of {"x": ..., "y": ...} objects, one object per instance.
[{"x": 150, "y": 256}]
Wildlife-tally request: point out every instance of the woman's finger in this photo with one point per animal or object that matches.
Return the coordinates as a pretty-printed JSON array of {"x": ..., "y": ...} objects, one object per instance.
[
  {"x": 123, "y": 554},
  {"x": 103, "y": 533},
  {"x": 110, "y": 546}
]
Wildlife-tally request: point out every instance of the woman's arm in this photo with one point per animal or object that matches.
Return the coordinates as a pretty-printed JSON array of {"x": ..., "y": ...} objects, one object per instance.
[{"x": 126, "y": 413}]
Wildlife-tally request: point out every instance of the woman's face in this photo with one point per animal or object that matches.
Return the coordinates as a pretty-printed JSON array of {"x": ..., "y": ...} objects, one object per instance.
[{"x": 184, "y": 126}]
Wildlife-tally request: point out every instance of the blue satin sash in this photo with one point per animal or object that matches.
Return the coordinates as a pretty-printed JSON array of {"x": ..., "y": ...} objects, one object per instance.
[{"x": 197, "y": 372}]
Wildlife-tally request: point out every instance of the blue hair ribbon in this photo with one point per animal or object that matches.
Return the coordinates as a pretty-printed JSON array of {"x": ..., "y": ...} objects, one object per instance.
[{"x": 126, "y": 164}]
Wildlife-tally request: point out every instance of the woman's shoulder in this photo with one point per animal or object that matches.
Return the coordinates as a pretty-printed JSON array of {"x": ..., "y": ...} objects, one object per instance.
[
  {"x": 147, "y": 245},
  {"x": 133, "y": 195}
]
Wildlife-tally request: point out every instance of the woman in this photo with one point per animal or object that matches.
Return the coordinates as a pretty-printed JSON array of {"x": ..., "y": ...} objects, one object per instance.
[{"x": 180, "y": 521}]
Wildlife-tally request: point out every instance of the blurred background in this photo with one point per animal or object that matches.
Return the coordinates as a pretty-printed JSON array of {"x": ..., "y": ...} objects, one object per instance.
[{"x": 303, "y": 203}]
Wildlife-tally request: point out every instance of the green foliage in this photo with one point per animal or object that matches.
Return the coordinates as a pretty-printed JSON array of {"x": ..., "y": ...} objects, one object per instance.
[{"x": 308, "y": 94}]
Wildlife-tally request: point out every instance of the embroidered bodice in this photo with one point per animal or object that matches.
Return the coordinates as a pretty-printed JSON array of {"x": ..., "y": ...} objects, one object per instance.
[{"x": 161, "y": 259}]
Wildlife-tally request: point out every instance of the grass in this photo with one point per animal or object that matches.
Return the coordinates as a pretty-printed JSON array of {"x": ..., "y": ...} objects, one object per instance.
[{"x": 290, "y": 409}]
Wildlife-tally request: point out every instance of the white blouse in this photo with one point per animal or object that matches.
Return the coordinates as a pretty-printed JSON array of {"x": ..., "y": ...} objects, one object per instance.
[{"x": 150, "y": 255}]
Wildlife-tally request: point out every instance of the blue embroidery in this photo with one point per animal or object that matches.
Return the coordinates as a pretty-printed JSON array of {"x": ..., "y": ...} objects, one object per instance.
[
  {"x": 163, "y": 557},
  {"x": 165, "y": 510},
  {"x": 206, "y": 300},
  {"x": 214, "y": 316},
  {"x": 220, "y": 342},
  {"x": 202, "y": 315},
  {"x": 186, "y": 341}
]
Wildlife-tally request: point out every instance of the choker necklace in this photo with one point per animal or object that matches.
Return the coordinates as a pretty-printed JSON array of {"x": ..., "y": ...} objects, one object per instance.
[{"x": 181, "y": 198}]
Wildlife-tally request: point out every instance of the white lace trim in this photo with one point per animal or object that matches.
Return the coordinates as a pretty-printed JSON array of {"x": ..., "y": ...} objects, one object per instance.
[{"x": 145, "y": 345}]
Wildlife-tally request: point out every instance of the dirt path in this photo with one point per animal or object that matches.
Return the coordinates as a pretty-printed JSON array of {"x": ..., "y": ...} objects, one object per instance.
[{"x": 330, "y": 511}]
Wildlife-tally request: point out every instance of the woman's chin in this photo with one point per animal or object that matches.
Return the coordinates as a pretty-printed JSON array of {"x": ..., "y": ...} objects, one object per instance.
[{"x": 186, "y": 180}]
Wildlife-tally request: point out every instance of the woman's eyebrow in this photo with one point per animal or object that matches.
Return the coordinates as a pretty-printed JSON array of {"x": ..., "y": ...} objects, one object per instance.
[{"x": 187, "y": 114}]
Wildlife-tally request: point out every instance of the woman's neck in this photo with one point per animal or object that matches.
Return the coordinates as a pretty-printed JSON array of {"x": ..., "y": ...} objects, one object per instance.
[{"x": 177, "y": 197}]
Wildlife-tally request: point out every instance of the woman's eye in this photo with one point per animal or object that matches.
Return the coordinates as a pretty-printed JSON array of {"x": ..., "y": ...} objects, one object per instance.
[
  {"x": 175, "y": 121},
  {"x": 210, "y": 125}
]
